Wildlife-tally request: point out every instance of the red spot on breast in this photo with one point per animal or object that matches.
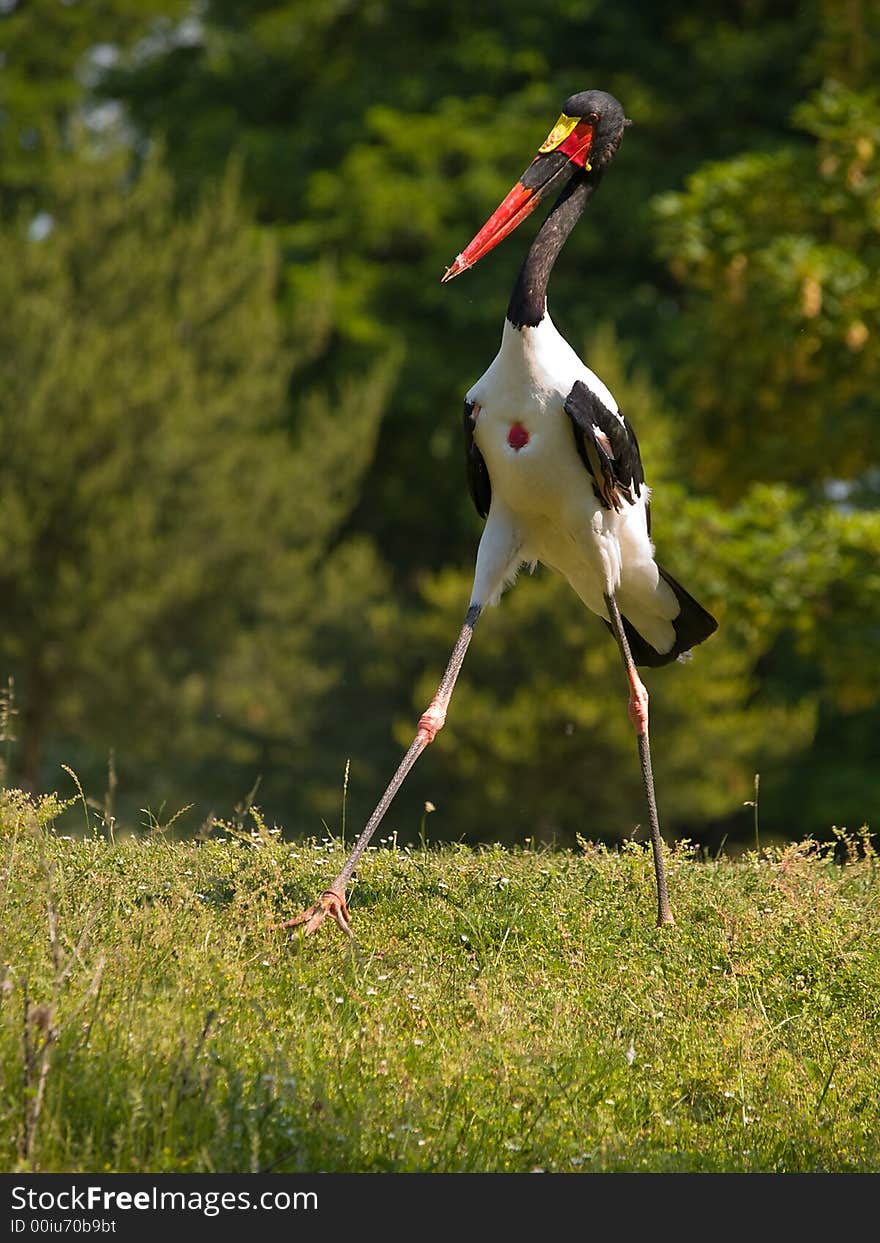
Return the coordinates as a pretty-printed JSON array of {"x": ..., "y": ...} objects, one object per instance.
[{"x": 517, "y": 437}]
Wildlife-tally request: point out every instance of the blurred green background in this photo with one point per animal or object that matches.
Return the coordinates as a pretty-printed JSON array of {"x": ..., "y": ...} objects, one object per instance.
[{"x": 235, "y": 539}]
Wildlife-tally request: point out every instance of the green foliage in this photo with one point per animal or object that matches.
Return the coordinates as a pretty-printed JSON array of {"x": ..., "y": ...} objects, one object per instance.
[
  {"x": 782, "y": 251},
  {"x": 504, "y": 1010},
  {"x": 51, "y": 53},
  {"x": 158, "y": 514},
  {"x": 779, "y": 251},
  {"x": 233, "y": 527}
]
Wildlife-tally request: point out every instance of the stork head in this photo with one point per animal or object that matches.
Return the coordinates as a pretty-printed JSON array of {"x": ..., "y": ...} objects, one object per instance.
[{"x": 582, "y": 143}]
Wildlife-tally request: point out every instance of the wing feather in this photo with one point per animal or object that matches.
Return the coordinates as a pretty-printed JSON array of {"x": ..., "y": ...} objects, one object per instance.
[
  {"x": 607, "y": 446},
  {"x": 479, "y": 484}
]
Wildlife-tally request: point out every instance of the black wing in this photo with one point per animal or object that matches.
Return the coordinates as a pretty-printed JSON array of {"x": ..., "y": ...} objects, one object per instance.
[
  {"x": 479, "y": 484},
  {"x": 608, "y": 448}
]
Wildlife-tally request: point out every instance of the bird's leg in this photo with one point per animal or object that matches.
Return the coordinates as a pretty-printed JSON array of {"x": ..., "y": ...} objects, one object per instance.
[
  {"x": 638, "y": 712},
  {"x": 332, "y": 901}
]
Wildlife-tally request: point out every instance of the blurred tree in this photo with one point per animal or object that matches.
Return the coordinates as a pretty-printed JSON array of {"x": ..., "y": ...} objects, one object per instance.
[
  {"x": 778, "y": 367},
  {"x": 372, "y": 140},
  {"x": 781, "y": 252},
  {"x": 51, "y": 54},
  {"x": 169, "y": 551}
]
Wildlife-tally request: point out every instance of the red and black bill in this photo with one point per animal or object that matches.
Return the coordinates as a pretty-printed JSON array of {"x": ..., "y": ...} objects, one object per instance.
[{"x": 567, "y": 144}]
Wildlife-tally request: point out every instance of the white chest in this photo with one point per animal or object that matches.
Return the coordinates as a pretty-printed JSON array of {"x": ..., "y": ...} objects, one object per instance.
[{"x": 522, "y": 429}]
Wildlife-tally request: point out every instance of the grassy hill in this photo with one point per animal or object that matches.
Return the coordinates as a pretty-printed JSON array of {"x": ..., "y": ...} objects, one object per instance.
[{"x": 500, "y": 1011}]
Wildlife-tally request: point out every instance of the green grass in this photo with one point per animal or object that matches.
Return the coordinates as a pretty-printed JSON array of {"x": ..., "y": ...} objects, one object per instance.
[{"x": 504, "y": 1010}]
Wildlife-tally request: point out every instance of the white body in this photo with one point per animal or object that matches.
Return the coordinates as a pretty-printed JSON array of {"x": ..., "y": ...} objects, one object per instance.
[{"x": 543, "y": 505}]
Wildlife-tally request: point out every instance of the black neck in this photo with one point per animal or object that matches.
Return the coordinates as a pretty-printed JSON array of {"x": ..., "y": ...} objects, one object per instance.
[{"x": 529, "y": 297}]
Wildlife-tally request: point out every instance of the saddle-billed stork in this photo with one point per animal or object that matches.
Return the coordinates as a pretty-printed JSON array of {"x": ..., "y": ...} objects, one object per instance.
[{"x": 554, "y": 468}]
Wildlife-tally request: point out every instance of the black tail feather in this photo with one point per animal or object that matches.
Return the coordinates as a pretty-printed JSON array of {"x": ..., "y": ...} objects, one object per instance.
[{"x": 692, "y": 626}]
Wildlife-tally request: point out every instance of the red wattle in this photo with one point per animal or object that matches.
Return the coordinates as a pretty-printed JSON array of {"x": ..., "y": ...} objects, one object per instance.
[{"x": 577, "y": 145}]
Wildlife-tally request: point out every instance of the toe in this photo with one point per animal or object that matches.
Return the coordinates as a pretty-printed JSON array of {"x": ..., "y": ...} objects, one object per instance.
[{"x": 329, "y": 903}]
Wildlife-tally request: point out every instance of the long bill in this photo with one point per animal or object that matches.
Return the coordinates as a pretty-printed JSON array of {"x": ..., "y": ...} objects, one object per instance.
[{"x": 565, "y": 150}]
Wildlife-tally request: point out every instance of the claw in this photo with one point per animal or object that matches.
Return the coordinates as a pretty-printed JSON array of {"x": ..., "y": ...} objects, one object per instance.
[{"x": 329, "y": 903}]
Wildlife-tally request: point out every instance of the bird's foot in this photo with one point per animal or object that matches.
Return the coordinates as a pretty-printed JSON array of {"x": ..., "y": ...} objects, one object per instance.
[{"x": 330, "y": 903}]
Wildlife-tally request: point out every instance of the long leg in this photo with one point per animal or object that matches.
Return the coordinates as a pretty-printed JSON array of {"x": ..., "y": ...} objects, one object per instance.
[
  {"x": 332, "y": 901},
  {"x": 638, "y": 711}
]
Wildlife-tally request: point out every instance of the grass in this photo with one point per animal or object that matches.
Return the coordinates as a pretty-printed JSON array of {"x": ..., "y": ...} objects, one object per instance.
[{"x": 504, "y": 1010}]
